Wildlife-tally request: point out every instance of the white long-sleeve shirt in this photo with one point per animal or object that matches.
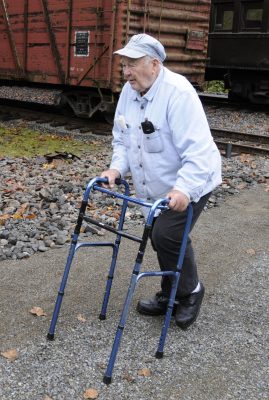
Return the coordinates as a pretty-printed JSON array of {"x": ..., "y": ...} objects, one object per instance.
[{"x": 180, "y": 154}]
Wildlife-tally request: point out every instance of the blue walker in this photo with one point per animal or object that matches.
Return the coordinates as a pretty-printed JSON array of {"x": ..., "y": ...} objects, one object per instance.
[{"x": 162, "y": 204}]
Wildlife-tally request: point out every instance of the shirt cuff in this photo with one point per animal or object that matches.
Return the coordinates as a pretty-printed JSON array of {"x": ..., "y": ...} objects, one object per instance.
[{"x": 182, "y": 191}]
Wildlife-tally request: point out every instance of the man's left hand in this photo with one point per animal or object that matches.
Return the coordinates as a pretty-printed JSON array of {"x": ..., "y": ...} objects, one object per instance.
[{"x": 178, "y": 200}]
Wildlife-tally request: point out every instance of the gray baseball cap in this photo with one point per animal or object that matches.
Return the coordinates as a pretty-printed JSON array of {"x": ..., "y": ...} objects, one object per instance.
[{"x": 143, "y": 45}]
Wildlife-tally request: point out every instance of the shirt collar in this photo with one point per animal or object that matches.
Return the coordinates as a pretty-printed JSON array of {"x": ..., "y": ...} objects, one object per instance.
[{"x": 151, "y": 92}]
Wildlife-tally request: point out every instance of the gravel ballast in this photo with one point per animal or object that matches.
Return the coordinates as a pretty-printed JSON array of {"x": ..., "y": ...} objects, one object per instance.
[{"x": 39, "y": 200}]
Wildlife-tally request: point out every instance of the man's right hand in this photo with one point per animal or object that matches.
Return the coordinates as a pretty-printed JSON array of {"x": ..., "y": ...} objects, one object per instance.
[{"x": 111, "y": 175}]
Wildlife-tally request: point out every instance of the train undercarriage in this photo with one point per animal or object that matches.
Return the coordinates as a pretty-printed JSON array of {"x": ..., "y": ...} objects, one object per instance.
[{"x": 247, "y": 85}]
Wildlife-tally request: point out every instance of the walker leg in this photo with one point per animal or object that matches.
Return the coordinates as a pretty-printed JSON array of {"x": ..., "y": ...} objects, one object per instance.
[
  {"x": 50, "y": 335},
  {"x": 110, "y": 277},
  {"x": 134, "y": 279},
  {"x": 176, "y": 277},
  {"x": 108, "y": 374},
  {"x": 167, "y": 319}
]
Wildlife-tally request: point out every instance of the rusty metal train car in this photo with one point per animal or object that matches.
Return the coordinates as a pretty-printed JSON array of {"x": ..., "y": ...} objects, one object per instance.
[
  {"x": 238, "y": 48},
  {"x": 69, "y": 44}
]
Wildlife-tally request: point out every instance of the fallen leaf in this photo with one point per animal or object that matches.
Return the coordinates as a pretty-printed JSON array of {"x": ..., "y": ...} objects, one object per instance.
[
  {"x": 128, "y": 377},
  {"x": 38, "y": 311},
  {"x": 23, "y": 208},
  {"x": 10, "y": 181},
  {"x": 49, "y": 166},
  {"x": 91, "y": 394},
  {"x": 46, "y": 397},
  {"x": 17, "y": 215},
  {"x": 241, "y": 186},
  {"x": 251, "y": 252},
  {"x": 10, "y": 355},
  {"x": 4, "y": 218},
  {"x": 81, "y": 318},
  {"x": 101, "y": 365},
  {"x": 245, "y": 157},
  {"x": 144, "y": 372},
  {"x": 30, "y": 216}
]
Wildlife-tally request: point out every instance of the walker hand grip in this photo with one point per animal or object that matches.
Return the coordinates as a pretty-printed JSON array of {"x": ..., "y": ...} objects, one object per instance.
[
  {"x": 166, "y": 201},
  {"x": 118, "y": 181},
  {"x": 101, "y": 180}
]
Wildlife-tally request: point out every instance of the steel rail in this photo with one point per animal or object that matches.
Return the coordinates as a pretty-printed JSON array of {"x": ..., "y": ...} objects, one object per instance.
[
  {"x": 240, "y": 142},
  {"x": 233, "y": 135},
  {"x": 241, "y": 147}
]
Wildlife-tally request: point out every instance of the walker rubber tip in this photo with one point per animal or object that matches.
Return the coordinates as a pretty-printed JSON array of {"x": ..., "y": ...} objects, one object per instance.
[
  {"x": 50, "y": 336},
  {"x": 159, "y": 354},
  {"x": 107, "y": 380},
  {"x": 102, "y": 317}
]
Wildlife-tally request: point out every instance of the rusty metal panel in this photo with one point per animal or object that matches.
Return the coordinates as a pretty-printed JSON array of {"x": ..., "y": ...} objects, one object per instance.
[
  {"x": 71, "y": 42},
  {"x": 67, "y": 41},
  {"x": 11, "y": 39}
]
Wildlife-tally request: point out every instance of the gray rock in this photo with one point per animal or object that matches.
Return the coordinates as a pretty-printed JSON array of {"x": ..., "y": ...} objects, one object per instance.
[
  {"x": 61, "y": 239},
  {"x": 42, "y": 247},
  {"x": 4, "y": 234}
]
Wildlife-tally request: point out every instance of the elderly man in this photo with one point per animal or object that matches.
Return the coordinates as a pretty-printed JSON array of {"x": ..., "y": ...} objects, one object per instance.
[{"x": 162, "y": 137}]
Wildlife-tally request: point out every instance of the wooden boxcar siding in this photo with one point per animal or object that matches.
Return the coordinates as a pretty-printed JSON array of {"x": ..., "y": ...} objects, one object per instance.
[
  {"x": 43, "y": 33},
  {"x": 38, "y": 38}
]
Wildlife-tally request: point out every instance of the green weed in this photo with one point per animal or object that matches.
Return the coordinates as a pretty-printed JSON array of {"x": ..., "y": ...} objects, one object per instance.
[{"x": 22, "y": 142}]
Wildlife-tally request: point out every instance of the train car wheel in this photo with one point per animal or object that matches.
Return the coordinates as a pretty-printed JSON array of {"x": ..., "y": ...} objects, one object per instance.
[{"x": 109, "y": 117}]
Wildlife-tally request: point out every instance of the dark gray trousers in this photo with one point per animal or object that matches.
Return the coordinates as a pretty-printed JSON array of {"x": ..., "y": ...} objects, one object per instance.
[{"x": 166, "y": 238}]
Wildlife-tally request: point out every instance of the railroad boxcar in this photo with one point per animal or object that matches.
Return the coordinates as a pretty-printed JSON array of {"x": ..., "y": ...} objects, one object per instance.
[
  {"x": 70, "y": 44},
  {"x": 238, "y": 48}
]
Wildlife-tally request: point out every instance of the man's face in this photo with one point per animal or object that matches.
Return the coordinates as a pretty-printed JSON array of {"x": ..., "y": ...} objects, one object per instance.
[{"x": 140, "y": 72}]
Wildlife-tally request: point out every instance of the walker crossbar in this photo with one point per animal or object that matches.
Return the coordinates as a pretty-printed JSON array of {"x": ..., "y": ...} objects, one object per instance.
[
  {"x": 110, "y": 229},
  {"x": 161, "y": 204}
]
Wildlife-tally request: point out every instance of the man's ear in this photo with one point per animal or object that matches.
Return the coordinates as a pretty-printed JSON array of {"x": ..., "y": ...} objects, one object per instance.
[{"x": 156, "y": 64}]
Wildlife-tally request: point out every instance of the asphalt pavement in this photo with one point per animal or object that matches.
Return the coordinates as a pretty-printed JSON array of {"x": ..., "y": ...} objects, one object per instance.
[{"x": 224, "y": 355}]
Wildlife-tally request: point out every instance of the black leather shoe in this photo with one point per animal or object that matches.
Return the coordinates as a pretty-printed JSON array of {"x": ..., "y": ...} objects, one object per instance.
[
  {"x": 157, "y": 305},
  {"x": 188, "y": 308}
]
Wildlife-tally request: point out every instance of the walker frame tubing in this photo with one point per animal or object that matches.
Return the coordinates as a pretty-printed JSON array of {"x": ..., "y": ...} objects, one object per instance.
[
  {"x": 94, "y": 184},
  {"x": 160, "y": 204}
]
